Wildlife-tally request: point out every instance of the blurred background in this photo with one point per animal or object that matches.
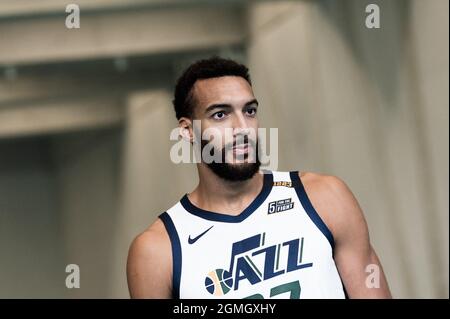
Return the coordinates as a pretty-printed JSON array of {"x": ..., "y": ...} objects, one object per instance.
[{"x": 85, "y": 117}]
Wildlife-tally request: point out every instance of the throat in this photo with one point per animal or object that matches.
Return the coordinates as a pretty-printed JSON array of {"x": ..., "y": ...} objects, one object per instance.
[{"x": 231, "y": 198}]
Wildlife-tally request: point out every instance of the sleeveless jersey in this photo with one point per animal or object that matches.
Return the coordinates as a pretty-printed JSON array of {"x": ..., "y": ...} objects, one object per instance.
[{"x": 278, "y": 247}]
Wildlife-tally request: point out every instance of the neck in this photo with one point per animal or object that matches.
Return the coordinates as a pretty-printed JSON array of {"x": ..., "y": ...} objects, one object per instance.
[{"x": 228, "y": 197}]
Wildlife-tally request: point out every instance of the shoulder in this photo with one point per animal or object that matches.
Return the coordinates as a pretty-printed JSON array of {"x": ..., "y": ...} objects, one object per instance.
[
  {"x": 328, "y": 187},
  {"x": 149, "y": 264},
  {"x": 333, "y": 201},
  {"x": 152, "y": 240}
]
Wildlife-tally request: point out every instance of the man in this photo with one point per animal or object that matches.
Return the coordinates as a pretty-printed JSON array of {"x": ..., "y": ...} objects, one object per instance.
[{"x": 244, "y": 233}]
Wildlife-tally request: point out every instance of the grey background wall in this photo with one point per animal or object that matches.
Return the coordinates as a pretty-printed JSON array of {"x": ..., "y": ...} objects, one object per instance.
[
  {"x": 372, "y": 108},
  {"x": 85, "y": 117}
]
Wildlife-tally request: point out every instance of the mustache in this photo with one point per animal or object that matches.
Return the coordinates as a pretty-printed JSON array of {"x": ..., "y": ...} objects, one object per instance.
[{"x": 245, "y": 142}]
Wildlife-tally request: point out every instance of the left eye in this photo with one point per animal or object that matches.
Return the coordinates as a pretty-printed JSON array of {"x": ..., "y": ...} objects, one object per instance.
[{"x": 251, "y": 111}]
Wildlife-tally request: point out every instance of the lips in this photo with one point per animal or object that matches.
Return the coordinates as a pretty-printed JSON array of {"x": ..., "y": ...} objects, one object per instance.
[
  {"x": 241, "y": 146},
  {"x": 240, "y": 149}
]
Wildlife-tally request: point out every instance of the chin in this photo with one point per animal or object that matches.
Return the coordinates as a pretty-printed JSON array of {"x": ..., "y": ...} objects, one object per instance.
[{"x": 235, "y": 172}]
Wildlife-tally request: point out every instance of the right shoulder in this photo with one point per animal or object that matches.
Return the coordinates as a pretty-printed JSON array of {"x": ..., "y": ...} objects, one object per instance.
[
  {"x": 152, "y": 242},
  {"x": 149, "y": 264}
]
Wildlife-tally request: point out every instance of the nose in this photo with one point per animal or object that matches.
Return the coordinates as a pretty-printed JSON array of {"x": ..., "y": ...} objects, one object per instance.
[{"x": 240, "y": 125}]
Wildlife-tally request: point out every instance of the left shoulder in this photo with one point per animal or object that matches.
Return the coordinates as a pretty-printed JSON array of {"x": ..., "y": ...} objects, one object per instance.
[
  {"x": 322, "y": 180},
  {"x": 333, "y": 201},
  {"x": 326, "y": 187}
]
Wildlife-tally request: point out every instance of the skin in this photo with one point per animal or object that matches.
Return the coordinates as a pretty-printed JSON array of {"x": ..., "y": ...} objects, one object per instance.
[{"x": 149, "y": 266}]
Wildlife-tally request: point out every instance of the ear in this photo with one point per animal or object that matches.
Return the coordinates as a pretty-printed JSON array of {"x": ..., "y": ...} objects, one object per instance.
[{"x": 186, "y": 130}]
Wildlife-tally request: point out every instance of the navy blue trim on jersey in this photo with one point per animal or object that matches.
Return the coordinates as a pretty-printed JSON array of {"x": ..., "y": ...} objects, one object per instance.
[
  {"x": 312, "y": 213},
  {"x": 176, "y": 254},
  {"x": 345, "y": 290},
  {"x": 342, "y": 283},
  {"x": 265, "y": 191}
]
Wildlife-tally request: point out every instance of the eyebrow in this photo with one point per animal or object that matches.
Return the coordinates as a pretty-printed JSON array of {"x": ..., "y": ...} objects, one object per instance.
[{"x": 228, "y": 106}]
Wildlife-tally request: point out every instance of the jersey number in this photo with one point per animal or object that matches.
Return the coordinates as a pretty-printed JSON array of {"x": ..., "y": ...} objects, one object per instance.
[{"x": 292, "y": 287}]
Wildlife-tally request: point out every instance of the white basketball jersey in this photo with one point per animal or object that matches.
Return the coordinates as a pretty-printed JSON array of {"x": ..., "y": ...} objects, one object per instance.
[{"x": 278, "y": 247}]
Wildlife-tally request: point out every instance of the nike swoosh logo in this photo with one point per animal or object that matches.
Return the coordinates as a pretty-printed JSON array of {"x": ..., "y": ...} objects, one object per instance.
[{"x": 193, "y": 240}]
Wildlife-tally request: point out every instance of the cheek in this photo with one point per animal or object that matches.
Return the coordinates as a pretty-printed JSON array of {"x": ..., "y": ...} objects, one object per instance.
[
  {"x": 255, "y": 126},
  {"x": 214, "y": 135},
  {"x": 253, "y": 129}
]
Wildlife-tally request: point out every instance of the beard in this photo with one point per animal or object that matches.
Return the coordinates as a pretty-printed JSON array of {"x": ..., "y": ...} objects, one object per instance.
[{"x": 237, "y": 172}]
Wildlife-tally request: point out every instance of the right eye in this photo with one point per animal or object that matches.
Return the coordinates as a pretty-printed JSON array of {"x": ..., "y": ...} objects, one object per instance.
[{"x": 218, "y": 115}]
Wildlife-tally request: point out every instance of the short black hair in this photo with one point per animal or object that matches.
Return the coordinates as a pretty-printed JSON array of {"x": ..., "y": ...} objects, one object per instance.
[{"x": 203, "y": 69}]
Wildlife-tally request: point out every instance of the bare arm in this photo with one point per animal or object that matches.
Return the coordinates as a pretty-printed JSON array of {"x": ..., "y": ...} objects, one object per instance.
[
  {"x": 149, "y": 265},
  {"x": 353, "y": 253}
]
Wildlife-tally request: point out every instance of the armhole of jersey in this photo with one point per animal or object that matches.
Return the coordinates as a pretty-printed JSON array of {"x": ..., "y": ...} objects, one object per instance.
[
  {"x": 309, "y": 208},
  {"x": 343, "y": 286},
  {"x": 176, "y": 253}
]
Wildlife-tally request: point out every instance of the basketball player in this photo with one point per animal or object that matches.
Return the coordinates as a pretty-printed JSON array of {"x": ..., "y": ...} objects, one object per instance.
[{"x": 244, "y": 232}]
